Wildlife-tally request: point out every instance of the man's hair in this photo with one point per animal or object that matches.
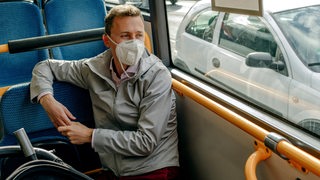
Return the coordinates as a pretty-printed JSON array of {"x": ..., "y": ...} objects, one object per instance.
[{"x": 120, "y": 11}]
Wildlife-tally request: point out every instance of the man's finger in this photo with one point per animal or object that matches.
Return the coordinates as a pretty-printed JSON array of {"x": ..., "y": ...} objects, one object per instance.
[
  {"x": 64, "y": 120},
  {"x": 69, "y": 114},
  {"x": 62, "y": 129}
]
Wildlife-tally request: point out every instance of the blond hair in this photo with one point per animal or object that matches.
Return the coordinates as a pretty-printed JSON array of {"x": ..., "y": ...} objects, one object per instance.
[{"x": 120, "y": 11}]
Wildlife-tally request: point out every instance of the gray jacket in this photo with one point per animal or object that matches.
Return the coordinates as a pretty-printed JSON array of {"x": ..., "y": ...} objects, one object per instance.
[{"x": 135, "y": 123}]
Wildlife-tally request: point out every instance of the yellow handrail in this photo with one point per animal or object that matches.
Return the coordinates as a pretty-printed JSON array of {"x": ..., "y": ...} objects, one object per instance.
[
  {"x": 4, "y": 48},
  {"x": 95, "y": 171},
  {"x": 262, "y": 153},
  {"x": 3, "y": 90},
  {"x": 285, "y": 148}
]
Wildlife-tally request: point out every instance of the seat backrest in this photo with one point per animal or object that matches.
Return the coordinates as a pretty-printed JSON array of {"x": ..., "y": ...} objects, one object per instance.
[
  {"x": 74, "y": 15},
  {"x": 17, "y": 111},
  {"x": 19, "y": 19}
]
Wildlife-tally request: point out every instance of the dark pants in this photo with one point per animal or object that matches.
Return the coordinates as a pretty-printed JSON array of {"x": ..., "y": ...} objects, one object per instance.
[{"x": 168, "y": 173}]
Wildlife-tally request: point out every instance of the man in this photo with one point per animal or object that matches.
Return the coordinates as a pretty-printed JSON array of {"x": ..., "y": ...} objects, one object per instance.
[{"x": 135, "y": 131}]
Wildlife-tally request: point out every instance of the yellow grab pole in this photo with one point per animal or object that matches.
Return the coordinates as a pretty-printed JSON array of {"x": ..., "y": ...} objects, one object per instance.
[
  {"x": 262, "y": 153},
  {"x": 299, "y": 156},
  {"x": 222, "y": 111},
  {"x": 4, "y": 48},
  {"x": 288, "y": 150},
  {"x": 95, "y": 171},
  {"x": 252, "y": 163}
]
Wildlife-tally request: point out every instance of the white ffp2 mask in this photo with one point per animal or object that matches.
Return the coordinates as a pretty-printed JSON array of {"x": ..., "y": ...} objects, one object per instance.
[{"x": 129, "y": 52}]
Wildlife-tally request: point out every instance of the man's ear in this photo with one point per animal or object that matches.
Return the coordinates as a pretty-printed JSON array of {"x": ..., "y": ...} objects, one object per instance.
[{"x": 106, "y": 40}]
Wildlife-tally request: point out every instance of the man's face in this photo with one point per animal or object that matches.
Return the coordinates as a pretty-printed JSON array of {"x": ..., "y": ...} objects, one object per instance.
[{"x": 125, "y": 28}]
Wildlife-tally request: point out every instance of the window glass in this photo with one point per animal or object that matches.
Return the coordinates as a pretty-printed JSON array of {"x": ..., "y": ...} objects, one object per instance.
[
  {"x": 243, "y": 34},
  {"x": 142, "y": 4},
  {"x": 203, "y": 25},
  {"x": 302, "y": 29},
  {"x": 271, "y": 62}
]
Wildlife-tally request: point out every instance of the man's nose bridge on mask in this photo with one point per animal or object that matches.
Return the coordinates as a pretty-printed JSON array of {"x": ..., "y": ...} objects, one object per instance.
[
  {"x": 147, "y": 41},
  {"x": 132, "y": 36}
]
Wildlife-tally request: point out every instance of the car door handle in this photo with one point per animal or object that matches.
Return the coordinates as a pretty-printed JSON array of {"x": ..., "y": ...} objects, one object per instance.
[{"x": 216, "y": 62}]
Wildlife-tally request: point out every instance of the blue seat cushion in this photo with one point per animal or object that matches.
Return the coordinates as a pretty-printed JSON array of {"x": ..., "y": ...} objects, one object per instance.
[
  {"x": 19, "y": 19},
  {"x": 17, "y": 111}
]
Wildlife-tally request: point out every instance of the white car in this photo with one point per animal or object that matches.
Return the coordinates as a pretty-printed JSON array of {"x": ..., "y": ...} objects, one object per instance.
[{"x": 272, "y": 61}]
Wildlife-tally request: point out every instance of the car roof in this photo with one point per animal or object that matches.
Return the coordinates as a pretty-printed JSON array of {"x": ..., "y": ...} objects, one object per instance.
[
  {"x": 283, "y": 5},
  {"x": 274, "y": 5}
]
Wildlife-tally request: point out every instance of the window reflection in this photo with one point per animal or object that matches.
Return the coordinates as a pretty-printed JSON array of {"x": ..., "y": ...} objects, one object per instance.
[
  {"x": 142, "y": 4},
  {"x": 271, "y": 62},
  {"x": 203, "y": 25}
]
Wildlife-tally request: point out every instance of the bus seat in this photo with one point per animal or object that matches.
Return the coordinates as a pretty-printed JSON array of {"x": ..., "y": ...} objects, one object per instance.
[
  {"x": 19, "y": 19},
  {"x": 74, "y": 15},
  {"x": 17, "y": 111}
]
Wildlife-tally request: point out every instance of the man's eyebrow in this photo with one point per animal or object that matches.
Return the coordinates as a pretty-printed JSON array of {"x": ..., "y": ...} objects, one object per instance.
[
  {"x": 127, "y": 32},
  {"x": 124, "y": 32}
]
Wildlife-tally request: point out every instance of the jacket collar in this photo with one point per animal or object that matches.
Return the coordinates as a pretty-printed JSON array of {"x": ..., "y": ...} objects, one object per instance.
[{"x": 102, "y": 69}]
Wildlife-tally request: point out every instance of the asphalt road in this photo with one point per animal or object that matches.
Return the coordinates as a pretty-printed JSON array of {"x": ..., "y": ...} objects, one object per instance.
[{"x": 175, "y": 15}]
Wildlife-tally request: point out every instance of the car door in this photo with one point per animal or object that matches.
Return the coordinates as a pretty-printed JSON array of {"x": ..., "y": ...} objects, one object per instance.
[
  {"x": 199, "y": 31},
  {"x": 239, "y": 36}
]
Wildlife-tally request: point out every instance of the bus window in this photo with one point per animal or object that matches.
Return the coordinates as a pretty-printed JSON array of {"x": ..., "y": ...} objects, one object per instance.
[
  {"x": 253, "y": 58},
  {"x": 141, "y": 4},
  {"x": 203, "y": 25}
]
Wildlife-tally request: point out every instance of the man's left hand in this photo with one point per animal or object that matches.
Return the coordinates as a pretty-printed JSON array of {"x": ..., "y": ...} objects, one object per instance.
[{"x": 77, "y": 133}]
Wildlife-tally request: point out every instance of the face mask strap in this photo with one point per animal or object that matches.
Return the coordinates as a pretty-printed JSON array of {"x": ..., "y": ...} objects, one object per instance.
[
  {"x": 111, "y": 40},
  {"x": 118, "y": 60},
  {"x": 125, "y": 72}
]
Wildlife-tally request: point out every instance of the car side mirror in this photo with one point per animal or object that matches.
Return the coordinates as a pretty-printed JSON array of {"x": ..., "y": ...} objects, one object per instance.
[
  {"x": 259, "y": 60},
  {"x": 263, "y": 60}
]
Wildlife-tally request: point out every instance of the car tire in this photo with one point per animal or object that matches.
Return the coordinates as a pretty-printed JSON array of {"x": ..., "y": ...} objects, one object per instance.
[{"x": 312, "y": 125}]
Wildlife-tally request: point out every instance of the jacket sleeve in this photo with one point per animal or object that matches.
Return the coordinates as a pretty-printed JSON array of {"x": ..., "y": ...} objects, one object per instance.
[
  {"x": 45, "y": 72},
  {"x": 156, "y": 122}
]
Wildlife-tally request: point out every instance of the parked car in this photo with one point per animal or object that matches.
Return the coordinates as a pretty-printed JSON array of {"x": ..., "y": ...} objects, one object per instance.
[
  {"x": 272, "y": 61},
  {"x": 137, "y": 3}
]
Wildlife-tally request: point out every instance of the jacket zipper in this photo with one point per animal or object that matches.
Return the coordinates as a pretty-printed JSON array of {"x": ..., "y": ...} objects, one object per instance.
[{"x": 113, "y": 112}]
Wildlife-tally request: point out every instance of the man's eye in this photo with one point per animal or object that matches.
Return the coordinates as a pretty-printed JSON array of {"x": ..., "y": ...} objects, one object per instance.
[
  {"x": 125, "y": 36},
  {"x": 139, "y": 36}
]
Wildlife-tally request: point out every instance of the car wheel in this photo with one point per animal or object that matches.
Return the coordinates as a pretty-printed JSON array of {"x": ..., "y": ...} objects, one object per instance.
[{"x": 312, "y": 125}]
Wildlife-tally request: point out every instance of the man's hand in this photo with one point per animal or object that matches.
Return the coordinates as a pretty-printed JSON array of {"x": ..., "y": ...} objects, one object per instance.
[
  {"x": 58, "y": 113},
  {"x": 77, "y": 133}
]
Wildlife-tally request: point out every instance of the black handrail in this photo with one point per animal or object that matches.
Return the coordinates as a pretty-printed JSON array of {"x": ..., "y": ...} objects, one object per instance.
[{"x": 54, "y": 40}]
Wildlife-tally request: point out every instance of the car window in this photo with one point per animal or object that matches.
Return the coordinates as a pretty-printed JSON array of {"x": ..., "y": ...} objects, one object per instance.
[
  {"x": 244, "y": 34},
  {"x": 268, "y": 62},
  {"x": 203, "y": 24},
  {"x": 301, "y": 27}
]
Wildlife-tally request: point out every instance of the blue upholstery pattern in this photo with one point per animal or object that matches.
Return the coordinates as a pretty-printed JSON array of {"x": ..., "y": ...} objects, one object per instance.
[
  {"x": 17, "y": 111},
  {"x": 19, "y": 19},
  {"x": 73, "y": 15}
]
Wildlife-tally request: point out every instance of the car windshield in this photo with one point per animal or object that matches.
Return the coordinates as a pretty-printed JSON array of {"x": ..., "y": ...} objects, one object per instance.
[{"x": 302, "y": 29}]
